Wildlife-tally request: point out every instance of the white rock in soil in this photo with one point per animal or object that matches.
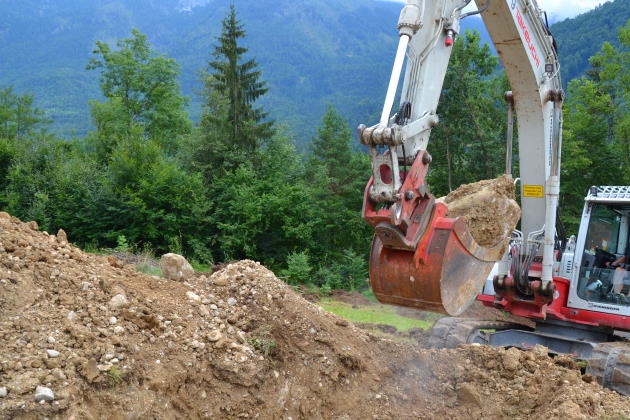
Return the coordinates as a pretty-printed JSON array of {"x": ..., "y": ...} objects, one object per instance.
[
  {"x": 214, "y": 335},
  {"x": 113, "y": 320},
  {"x": 51, "y": 340},
  {"x": 231, "y": 301},
  {"x": 3, "y": 391},
  {"x": 71, "y": 315},
  {"x": 193, "y": 296},
  {"x": 104, "y": 368},
  {"x": 119, "y": 329},
  {"x": 117, "y": 302},
  {"x": 52, "y": 353},
  {"x": 175, "y": 267},
  {"x": 43, "y": 393}
]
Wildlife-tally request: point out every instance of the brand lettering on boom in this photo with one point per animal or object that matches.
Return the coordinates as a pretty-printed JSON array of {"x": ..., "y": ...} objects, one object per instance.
[{"x": 528, "y": 37}]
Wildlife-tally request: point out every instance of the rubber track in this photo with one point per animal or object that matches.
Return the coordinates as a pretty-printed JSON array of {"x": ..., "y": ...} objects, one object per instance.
[
  {"x": 610, "y": 364},
  {"x": 451, "y": 332}
]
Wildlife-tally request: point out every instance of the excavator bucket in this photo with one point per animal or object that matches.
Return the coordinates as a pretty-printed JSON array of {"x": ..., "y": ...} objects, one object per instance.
[{"x": 420, "y": 257}]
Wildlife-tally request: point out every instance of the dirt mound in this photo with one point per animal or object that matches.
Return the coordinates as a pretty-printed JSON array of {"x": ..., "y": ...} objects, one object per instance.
[
  {"x": 113, "y": 343},
  {"x": 352, "y": 298},
  {"x": 488, "y": 208}
]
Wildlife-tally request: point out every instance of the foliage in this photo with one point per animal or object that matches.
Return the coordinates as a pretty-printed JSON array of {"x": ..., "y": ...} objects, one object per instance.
[
  {"x": 468, "y": 144},
  {"x": 115, "y": 376},
  {"x": 298, "y": 269},
  {"x": 262, "y": 340},
  {"x": 596, "y": 146},
  {"x": 338, "y": 175},
  {"x": 230, "y": 122},
  {"x": 141, "y": 89},
  {"x": 309, "y": 61},
  {"x": 579, "y": 38},
  {"x": 236, "y": 186},
  {"x": 18, "y": 115}
]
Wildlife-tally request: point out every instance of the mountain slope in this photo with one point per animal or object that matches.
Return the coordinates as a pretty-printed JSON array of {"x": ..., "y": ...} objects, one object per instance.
[
  {"x": 581, "y": 37},
  {"x": 312, "y": 53}
]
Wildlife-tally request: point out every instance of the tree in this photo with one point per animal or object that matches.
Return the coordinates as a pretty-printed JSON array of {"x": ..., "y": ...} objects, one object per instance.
[
  {"x": 142, "y": 90},
  {"x": 19, "y": 117},
  {"x": 468, "y": 144},
  {"x": 232, "y": 87},
  {"x": 338, "y": 175},
  {"x": 596, "y": 146}
]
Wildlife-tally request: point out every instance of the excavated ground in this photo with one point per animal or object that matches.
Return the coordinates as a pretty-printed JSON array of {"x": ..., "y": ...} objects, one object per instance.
[
  {"x": 238, "y": 344},
  {"x": 488, "y": 208}
]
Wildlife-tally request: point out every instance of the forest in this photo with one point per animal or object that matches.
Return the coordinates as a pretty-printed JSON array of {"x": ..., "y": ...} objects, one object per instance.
[{"x": 234, "y": 185}]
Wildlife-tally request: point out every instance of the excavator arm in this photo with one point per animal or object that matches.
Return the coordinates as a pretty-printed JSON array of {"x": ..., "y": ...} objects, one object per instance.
[{"x": 420, "y": 257}]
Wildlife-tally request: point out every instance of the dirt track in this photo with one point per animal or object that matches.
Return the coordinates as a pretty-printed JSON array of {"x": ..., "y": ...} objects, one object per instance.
[{"x": 237, "y": 344}]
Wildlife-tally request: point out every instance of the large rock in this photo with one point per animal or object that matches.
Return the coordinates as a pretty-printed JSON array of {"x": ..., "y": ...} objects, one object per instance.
[{"x": 175, "y": 267}]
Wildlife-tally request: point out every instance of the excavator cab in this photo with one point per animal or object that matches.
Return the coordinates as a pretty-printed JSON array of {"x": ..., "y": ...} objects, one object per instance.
[{"x": 603, "y": 278}]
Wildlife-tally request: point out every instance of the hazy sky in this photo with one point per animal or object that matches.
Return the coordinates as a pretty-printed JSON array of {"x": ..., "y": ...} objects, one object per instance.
[{"x": 561, "y": 9}]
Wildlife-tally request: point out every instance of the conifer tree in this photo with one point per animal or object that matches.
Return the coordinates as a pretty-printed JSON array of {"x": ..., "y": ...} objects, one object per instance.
[{"x": 232, "y": 87}]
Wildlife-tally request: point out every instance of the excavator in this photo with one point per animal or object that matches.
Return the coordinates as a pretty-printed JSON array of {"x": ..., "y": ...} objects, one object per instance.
[{"x": 574, "y": 292}]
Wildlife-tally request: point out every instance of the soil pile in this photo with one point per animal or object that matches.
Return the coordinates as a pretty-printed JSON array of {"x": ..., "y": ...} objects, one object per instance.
[
  {"x": 488, "y": 208},
  {"x": 96, "y": 339}
]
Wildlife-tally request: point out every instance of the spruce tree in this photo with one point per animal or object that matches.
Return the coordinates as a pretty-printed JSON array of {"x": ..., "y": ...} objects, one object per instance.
[{"x": 232, "y": 87}]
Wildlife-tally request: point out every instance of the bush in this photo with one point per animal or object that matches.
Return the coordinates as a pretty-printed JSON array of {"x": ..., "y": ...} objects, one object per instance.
[{"x": 298, "y": 268}]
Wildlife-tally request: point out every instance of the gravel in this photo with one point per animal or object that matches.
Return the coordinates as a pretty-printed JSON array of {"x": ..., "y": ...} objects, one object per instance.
[
  {"x": 52, "y": 353},
  {"x": 43, "y": 393},
  {"x": 117, "y": 302}
]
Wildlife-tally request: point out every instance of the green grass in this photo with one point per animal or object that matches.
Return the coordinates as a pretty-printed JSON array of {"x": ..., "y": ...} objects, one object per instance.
[
  {"x": 149, "y": 269},
  {"x": 203, "y": 268},
  {"x": 376, "y": 314}
]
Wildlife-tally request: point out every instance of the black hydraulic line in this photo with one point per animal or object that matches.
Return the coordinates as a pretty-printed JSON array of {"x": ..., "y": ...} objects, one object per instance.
[{"x": 476, "y": 12}]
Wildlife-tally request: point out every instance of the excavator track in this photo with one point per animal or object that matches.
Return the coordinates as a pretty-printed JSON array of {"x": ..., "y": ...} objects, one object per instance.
[
  {"x": 450, "y": 332},
  {"x": 610, "y": 365}
]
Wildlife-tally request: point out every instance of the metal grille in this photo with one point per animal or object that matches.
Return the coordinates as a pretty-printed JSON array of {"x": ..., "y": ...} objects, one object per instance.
[{"x": 608, "y": 192}]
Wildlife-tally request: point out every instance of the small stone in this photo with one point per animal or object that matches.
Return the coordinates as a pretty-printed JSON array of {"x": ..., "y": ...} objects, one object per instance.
[
  {"x": 193, "y": 296},
  {"x": 214, "y": 335},
  {"x": 71, "y": 315},
  {"x": 197, "y": 345},
  {"x": 51, "y": 340},
  {"x": 3, "y": 391},
  {"x": 104, "y": 368},
  {"x": 108, "y": 357},
  {"x": 118, "y": 329},
  {"x": 43, "y": 393},
  {"x": 52, "y": 353},
  {"x": 117, "y": 302},
  {"x": 231, "y": 301},
  {"x": 113, "y": 320},
  {"x": 59, "y": 374}
]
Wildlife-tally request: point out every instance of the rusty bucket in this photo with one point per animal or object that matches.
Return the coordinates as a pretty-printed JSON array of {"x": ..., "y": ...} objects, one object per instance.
[
  {"x": 420, "y": 257},
  {"x": 444, "y": 274}
]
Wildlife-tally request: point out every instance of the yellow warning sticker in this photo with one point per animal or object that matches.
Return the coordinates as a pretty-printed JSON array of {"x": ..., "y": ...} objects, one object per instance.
[{"x": 535, "y": 191}]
